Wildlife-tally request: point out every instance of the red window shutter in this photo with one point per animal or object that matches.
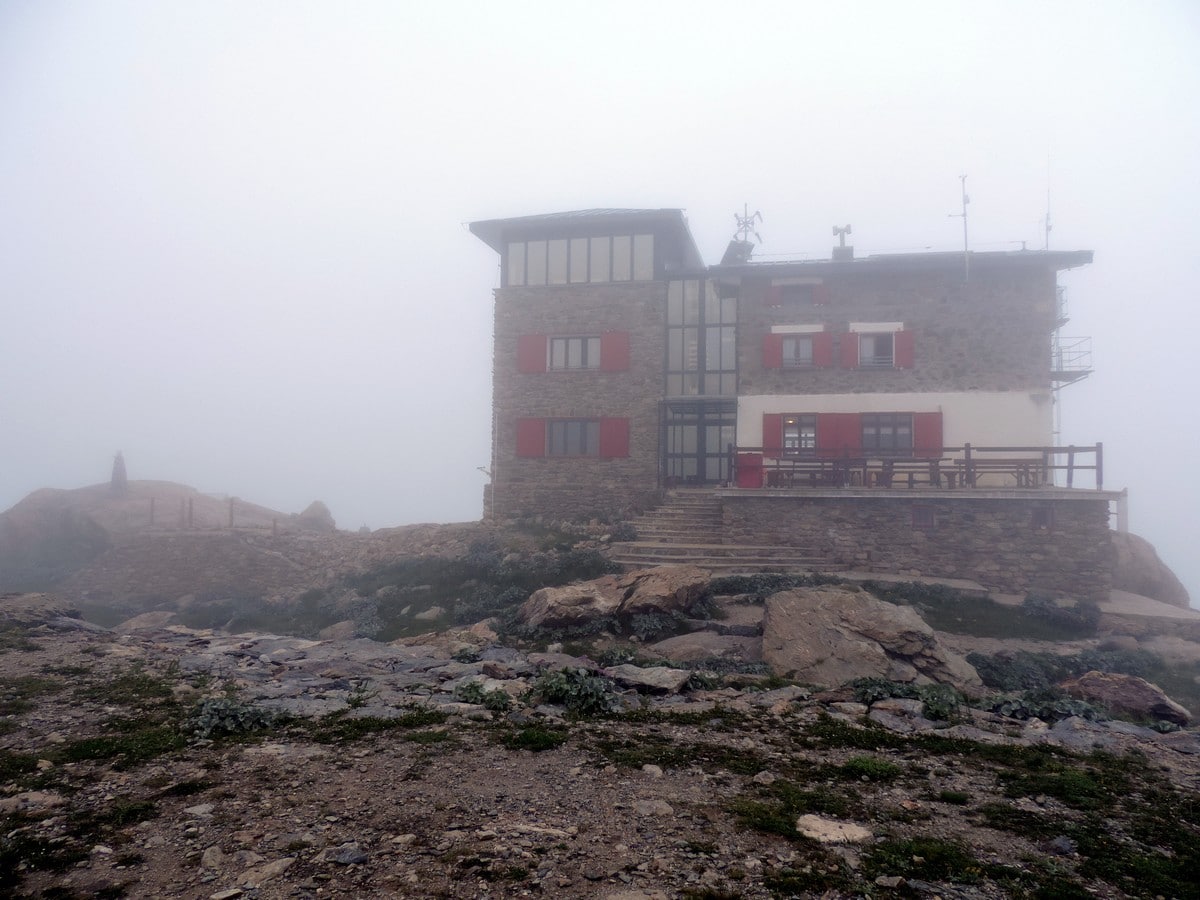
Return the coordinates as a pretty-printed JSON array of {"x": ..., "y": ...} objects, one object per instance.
[
  {"x": 820, "y": 294},
  {"x": 927, "y": 434},
  {"x": 822, "y": 343},
  {"x": 531, "y": 437},
  {"x": 903, "y": 346},
  {"x": 772, "y": 351},
  {"x": 614, "y": 438},
  {"x": 531, "y": 353},
  {"x": 772, "y": 434},
  {"x": 850, "y": 350},
  {"x": 614, "y": 351},
  {"x": 773, "y": 295},
  {"x": 839, "y": 434}
]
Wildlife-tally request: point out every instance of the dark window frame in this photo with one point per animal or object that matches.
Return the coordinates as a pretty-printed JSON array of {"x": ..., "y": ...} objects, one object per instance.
[
  {"x": 573, "y": 438},
  {"x": 589, "y": 365},
  {"x": 882, "y": 433}
]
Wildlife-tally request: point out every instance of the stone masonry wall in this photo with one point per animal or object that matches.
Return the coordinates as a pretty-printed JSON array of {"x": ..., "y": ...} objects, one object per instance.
[
  {"x": 574, "y": 488},
  {"x": 989, "y": 540},
  {"x": 992, "y": 334}
]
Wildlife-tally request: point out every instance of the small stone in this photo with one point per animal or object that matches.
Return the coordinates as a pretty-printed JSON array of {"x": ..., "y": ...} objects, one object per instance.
[
  {"x": 212, "y": 858},
  {"x": 261, "y": 874},
  {"x": 202, "y": 810},
  {"x": 764, "y": 778},
  {"x": 403, "y": 840},
  {"x": 656, "y": 808},
  {"x": 652, "y": 770},
  {"x": 889, "y": 881},
  {"x": 228, "y": 894},
  {"x": 349, "y": 854}
]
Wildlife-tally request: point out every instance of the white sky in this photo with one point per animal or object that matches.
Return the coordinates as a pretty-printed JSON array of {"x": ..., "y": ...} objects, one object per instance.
[{"x": 233, "y": 243}]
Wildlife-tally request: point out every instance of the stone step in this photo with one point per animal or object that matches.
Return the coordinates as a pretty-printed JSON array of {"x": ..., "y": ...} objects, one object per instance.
[
  {"x": 731, "y": 566},
  {"x": 717, "y": 550}
]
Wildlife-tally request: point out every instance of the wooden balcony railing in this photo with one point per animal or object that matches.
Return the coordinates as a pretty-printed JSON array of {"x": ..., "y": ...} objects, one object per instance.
[{"x": 966, "y": 466}]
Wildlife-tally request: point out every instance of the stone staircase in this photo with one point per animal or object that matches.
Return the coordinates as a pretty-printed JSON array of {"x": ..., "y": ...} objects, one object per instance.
[{"x": 687, "y": 530}]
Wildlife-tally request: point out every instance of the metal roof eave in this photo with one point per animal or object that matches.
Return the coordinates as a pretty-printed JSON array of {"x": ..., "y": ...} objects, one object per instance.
[{"x": 909, "y": 262}]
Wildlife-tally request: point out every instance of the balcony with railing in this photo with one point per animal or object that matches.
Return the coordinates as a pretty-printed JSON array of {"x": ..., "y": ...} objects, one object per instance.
[
  {"x": 1070, "y": 359},
  {"x": 965, "y": 467}
]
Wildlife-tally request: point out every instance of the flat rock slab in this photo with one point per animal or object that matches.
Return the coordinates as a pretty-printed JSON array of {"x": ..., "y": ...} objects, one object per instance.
[
  {"x": 654, "y": 678},
  {"x": 701, "y": 645},
  {"x": 831, "y": 831}
]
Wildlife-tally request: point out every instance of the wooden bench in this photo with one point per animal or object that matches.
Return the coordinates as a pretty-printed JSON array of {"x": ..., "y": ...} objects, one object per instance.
[
  {"x": 1028, "y": 472},
  {"x": 813, "y": 472},
  {"x": 914, "y": 471}
]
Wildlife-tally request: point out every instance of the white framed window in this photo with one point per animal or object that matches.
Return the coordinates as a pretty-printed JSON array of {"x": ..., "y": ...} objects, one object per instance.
[
  {"x": 797, "y": 351},
  {"x": 799, "y": 434},
  {"x": 877, "y": 351}
]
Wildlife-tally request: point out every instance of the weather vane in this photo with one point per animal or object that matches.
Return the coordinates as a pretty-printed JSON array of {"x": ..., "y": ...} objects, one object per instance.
[{"x": 745, "y": 225}]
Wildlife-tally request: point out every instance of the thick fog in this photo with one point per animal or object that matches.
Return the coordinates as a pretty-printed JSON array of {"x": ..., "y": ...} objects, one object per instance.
[{"x": 233, "y": 241}]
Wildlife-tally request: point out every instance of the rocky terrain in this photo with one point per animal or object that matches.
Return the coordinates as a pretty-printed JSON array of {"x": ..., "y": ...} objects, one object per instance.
[
  {"x": 219, "y": 700},
  {"x": 153, "y": 760}
]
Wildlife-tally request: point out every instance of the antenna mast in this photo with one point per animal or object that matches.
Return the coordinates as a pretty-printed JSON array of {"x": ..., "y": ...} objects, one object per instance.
[
  {"x": 963, "y": 215},
  {"x": 745, "y": 225},
  {"x": 1049, "y": 226}
]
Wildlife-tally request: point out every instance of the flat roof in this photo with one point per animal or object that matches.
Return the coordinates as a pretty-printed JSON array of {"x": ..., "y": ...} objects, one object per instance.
[
  {"x": 495, "y": 232},
  {"x": 912, "y": 262}
]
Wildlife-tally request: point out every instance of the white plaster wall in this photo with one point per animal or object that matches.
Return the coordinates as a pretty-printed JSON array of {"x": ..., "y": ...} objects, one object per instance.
[{"x": 983, "y": 418}]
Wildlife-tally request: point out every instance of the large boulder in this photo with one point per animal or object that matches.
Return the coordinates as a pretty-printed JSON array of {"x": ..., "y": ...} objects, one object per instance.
[
  {"x": 831, "y": 635},
  {"x": 572, "y": 604},
  {"x": 1139, "y": 571},
  {"x": 1127, "y": 695},
  {"x": 317, "y": 517},
  {"x": 664, "y": 589}
]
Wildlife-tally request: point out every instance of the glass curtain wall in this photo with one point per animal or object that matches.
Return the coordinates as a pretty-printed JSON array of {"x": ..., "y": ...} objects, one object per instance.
[{"x": 700, "y": 412}]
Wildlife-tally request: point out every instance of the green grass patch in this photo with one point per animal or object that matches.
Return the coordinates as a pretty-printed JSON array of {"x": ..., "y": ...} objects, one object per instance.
[
  {"x": 123, "y": 750},
  {"x": 1081, "y": 788},
  {"x": 13, "y": 764},
  {"x": 870, "y": 768},
  {"x": 17, "y": 695},
  {"x": 14, "y": 638},
  {"x": 132, "y": 688},
  {"x": 779, "y": 805},
  {"x": 535, "y": 739},
  {"x": 1032, "y": 825},
  {"x": 955, "y": 798},
  {"x": 338, "y": 728},
  {"x": 924, "y": 858},
  {"x": 654, "y": 749}
]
